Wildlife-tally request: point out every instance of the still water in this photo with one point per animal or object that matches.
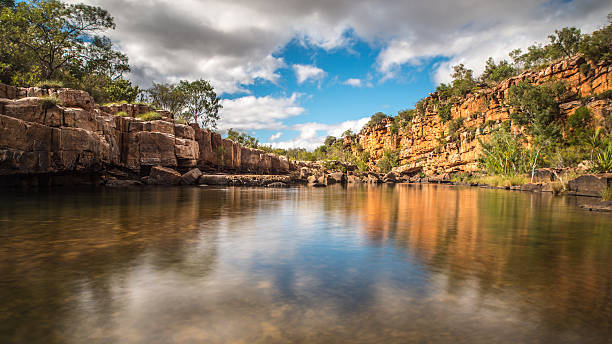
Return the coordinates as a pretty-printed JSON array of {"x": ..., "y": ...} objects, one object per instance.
[{"x": 365, "y": 264}]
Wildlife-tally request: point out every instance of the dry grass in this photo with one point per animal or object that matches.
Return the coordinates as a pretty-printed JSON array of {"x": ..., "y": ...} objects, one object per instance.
[
  {"x": 606, "y": 193},
  {"x": 150, "y": 116},
  {"x": 502, "y": 181}
]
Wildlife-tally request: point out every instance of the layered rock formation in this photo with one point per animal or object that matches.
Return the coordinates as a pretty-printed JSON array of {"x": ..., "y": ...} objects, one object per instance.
[
  {"x": 426, "y": 142},
  {"x": 58, "y": 136}
]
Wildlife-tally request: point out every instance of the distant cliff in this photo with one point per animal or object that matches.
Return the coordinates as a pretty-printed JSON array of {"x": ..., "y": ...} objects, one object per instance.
[
  {"x": 59, "y": 136},
  {"x": 428, "y": 143}
]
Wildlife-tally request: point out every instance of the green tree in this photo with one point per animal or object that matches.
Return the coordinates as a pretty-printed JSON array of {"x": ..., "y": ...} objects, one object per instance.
[
  {"x": 376, "y": 119},
  {"x": 243, "y": 139},
  {"x": 329, "y": 141},
  {"x": 201, "y": 102},
  {"x": 598, "y": 46},
  {"x": 566, "y": 41},
  {"x": 60, "y": 38},
  {"x": 122, "y": 90},
  {"x": 497, "y": 72},
  {"x": 7, "y": 3},
  {"x": 167, "y": 97}
]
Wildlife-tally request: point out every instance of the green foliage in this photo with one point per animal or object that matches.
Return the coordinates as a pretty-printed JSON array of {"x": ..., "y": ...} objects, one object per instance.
[
  {"x": 566, "y": 41},
  {"x": 50, "y": 84},
  {"x": 167, "y": 97},
  {"x": 122, "y": 90},
  {"x": 606, "y": 193},
  {"x": 603, "y": 158},
  {"x": 404, "y": 117},
  {"x": 598, "y": 45},
  {"x": 48, "y": 102},
  {"x": 47, "y": 39},
  {"x": 497, "y": 72},
  {"x": 201, "y": 102},
  {"x": 389, "y": 160},
  {"x": 585, "y": 69},
  {"x": 537, "y": 109},
  {"x": 329, "y": 141},
  {"x": 455, "y": 125},
  {"x": 444, "y": 112},
  {"x": 150, "y": 116},
  {"x": 578, "y": 125},
  {"x": 421, "y": 106},
  {"x": 377, "y": 119},
  {"x": 243, "y": 139},
  {"x": 121, "y": 114},
  {"x": 463, "y": 80},
  {"x": 7, "y": 3},
  {"x": 504, "y": 154},
  {"x": 604, "y": 95}
]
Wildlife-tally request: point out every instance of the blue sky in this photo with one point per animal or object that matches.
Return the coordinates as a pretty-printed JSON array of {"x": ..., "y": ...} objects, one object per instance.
[{"x": 291, "y": 72}]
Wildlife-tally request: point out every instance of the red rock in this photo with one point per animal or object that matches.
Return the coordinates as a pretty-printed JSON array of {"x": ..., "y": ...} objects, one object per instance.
[{"x": 163, "y": 176}]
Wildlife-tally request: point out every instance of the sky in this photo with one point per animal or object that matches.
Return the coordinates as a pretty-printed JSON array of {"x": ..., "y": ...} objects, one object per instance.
[{"x": 291, "y": 72}]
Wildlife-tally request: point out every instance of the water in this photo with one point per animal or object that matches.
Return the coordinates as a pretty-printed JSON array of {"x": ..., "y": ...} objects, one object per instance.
[{"x": 367, "y": 264}]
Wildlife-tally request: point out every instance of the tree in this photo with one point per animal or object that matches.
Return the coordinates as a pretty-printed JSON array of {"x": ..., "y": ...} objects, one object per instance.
[
  {"x": 167, "y": 97},
  {"x": 62, "y": 38},
  {"x": 201, "y": 102},
  {"x": 242, "y": 138},
  {"x": 566, "y": 40},
  {"x": 122, "y": 90},
  {"x": 497, "y": 72},
  {"x": 329, "y": 141},
  {"x": 463, "y": 80},
  {"x": 376, "y": 119},
  {"x": 7, "y": 3}
]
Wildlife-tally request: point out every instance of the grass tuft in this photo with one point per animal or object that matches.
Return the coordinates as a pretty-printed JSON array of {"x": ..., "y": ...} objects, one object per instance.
[
  {"x": 150, "y": 116},
  {"x": 121, "y": 114},
  {"x": 501, "y": 180},
  {"x": 48, "y": 102},
  {"x": 50, "y": 84}
]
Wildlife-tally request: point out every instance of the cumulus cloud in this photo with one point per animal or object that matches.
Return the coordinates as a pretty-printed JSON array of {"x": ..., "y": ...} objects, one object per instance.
[
  {"x": 254, "y": 113},
  {"x": 276, "y": 136},
  {"x": 308, "y": 72},
  {"x": 355, "y": 82},
  {"x": 232, "y": 43},
  {"x": 313, "y": 134}
]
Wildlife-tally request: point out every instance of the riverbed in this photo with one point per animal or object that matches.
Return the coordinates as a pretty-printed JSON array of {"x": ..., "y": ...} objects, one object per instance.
[{"x": 361, "y": 264}]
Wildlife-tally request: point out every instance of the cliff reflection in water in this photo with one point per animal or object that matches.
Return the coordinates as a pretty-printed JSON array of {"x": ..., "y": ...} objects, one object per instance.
[{"x": 361, "y": 264}]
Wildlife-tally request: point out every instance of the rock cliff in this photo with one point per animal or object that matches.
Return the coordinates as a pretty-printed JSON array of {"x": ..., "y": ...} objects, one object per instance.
[
  {"x": 59, "y": 136},
  {"x": 426, "y": 143}
]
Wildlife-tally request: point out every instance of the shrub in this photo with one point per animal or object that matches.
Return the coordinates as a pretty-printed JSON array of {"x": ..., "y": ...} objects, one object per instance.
[
  {"x": 578, "y": 123},
  {"x": 504, "y": 154},
  {"x": 150, "y": 116},
  {"x": 444, "y": 112},
  {"x": 121, "y": 114},
  {"x": 603, "y": 159},
  {"x": 455, "y": 125},
  {"x": 604, "y": 95},
  {"x": 585, "y": 69},
  {"x": 389, "y": 160},
  {"x": 606, "y": 193},
  {"x": 376, "y": 119},
  {"x": 48, "y": 102},
  {"x": 50, "y": 84}
]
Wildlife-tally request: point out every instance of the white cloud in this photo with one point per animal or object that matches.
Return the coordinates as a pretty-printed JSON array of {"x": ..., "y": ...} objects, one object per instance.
[
  {"x": 308, "y": 72},
  {"x": 276, "y": 136},
  {"x": 232, "y": 43},
  {"x": 358, "y": 83},
  {"x": 313, "y": 134},
  {"x": 254, "y": 113}
]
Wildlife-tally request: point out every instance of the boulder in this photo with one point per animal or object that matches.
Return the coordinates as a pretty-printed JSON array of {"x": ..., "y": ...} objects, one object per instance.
[
  {"x": 390, "y": 177},
  {"x": 191, "y": 177},
  {"x": 353, "y": 179},
  {"x": 531, "y": 187},
  {"x": 211, "y": 179},
  {"x": 589, "y": 184},
  {"x": 163, "y": 176},
  {"x": 335, "y": 178}
]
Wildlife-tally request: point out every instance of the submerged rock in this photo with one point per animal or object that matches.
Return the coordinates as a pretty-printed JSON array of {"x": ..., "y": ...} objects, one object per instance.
[{"x": 191, "y": 177}]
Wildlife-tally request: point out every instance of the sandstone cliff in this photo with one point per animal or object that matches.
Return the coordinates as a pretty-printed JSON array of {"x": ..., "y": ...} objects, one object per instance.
[
  {"x": 77, "y": 141},
  {"x": 426, "y": 142}
]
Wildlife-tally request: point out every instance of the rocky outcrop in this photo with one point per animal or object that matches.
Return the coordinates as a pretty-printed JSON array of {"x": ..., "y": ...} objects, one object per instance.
[
  {"x": 57, "y": 132},
  {"x": 426, "y": 142}
]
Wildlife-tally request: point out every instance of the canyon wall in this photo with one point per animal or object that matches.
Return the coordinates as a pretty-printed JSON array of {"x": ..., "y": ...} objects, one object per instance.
[
  {"x": 426, "y": 142},
  {"x": 76, "y": 137}
]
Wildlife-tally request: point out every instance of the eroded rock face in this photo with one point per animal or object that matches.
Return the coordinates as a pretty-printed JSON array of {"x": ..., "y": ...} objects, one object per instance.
[
  {"x": 589, "y": 184},
  {"x": 426, "y": 143},
  {"x": 38, "y": 137}
]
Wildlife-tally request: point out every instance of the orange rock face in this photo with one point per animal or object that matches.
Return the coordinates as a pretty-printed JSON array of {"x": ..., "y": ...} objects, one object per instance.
[{"x": 426, "y": 142}]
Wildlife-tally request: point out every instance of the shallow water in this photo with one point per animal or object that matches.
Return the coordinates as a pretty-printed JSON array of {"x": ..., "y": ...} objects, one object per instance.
[{"x": 370, "y": 264}]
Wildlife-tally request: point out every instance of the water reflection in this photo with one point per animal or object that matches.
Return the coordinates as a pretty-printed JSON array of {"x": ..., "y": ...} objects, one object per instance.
[{"x": 360, "y": 264}]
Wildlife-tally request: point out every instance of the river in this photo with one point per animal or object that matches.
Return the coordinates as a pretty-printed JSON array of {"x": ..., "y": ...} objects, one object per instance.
[{"x": 362, "y": 264}]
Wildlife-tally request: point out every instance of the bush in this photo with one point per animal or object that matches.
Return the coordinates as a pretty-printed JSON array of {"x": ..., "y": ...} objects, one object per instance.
[
  {"x": 121, "y": 114},
  {"x": 389, "y": 160},
  {"x": 504, "y": 154},
  {"x": 603, "y": 159},
  {"x": 585, "y": 69},
  {"x": 377, "y": 119},
  {"x": 444, "y": 112},
  {"x": 604, "y": 95},
  {"x": 50, "y": 84},
  {"x": 48, "y": 102},
  {"x": 150, "y": 116},
  {"x": 455, "y": 125},
  {"x": 578, "y": 124},
  {"x": 606, "y": 193}
]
